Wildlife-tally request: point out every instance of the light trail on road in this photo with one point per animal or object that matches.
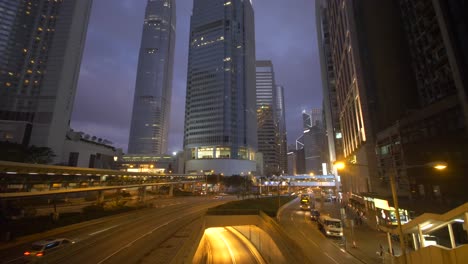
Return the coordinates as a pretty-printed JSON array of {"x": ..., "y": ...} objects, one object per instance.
[{"x": 227, "y": 247}]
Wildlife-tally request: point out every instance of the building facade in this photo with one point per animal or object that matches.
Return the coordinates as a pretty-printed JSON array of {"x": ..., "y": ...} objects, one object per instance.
[
  {"x": 330, "y": 102},
  {"x": 372, "y": 78},
  {"x": 41, "y": 47},
  {"x": 220, "y": 111},
  {"x": 436, "y": 33},
  {"x": 283, "y": 141},
  {"x": 267, "y": 117},
  {"x": 153, "y": 88}
]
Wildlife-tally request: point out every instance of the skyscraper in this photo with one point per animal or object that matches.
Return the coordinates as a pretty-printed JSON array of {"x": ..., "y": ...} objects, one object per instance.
[
  {"x": 41, "y": 47},
  {"x": 281, "y": 117},
  {"x": 372, "y": 77},
  {"x": 153, "y": 88},
  {"x": 267, "y": 117},
  {"x": 220, "y": 117}
]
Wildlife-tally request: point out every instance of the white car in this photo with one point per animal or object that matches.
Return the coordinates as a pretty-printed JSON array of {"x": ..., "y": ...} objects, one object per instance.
[{"x": 42, "y": 247}]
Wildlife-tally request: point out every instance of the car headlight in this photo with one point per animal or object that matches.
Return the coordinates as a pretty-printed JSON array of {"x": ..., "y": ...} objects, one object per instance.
[
  {"x": 341, "y": 233},
  {"x": 328, "y": 232}
]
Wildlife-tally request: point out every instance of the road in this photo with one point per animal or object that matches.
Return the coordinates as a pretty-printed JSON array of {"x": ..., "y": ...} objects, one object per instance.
[
  {"x": 317, "y": 247},
  {"x": 152, "y": 235},
  {"x": 226, "y": 246}
]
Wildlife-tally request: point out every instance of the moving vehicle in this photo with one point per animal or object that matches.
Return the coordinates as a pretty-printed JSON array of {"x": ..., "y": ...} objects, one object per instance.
[
  {"x": 314, "y": 215},
  {"x": 305, "y": 200},
  {"x": 42, "y": 247},
  {"x": 330, "y": 226}
]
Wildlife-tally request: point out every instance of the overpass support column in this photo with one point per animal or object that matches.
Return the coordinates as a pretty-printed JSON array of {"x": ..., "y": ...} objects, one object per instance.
[
  {"x": 390, "y": 246},
  {"x": 171, "y": 190},
  {"x": 466, "y": 222},
  {"x": 100, "y": 197},
  {"x": 142, "y": 194},
  {"x": 452, "y": 238}
]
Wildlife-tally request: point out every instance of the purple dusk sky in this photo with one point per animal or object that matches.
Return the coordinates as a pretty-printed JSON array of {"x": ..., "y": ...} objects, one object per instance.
[{"x": 285, "y": 33}]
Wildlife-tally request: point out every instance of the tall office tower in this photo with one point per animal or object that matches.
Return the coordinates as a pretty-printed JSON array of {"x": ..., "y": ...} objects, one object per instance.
[
  {"x": 267, "y": 129},
  {"x": 330, "y": 102},
  {"x": 372, "y": 78},
  {"x": 220, "y": 113},
  {"x": 437, "y": 33},
  {"x": 281, "y": 117},
  {"x": 41, "y": 46},
  {"x": 306, "y": 120},
  {"x": 316, "y": 116},
  {"x": 153, "y": 88}
]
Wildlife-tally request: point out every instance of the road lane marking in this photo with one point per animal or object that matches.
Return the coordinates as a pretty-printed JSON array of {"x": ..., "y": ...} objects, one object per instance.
[
  {"x": 140, "y": 237},
  {"x": 330, "y": 257},
  {"x": 103, "y": 230},
  {"x": 11, "y": 260}
]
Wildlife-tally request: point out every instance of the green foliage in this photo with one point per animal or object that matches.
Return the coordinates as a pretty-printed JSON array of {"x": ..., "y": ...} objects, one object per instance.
[
  {"x": 269, "y": 205},
  {"x": 20, "y": 153},
  {"x": 40, "y": 155}
]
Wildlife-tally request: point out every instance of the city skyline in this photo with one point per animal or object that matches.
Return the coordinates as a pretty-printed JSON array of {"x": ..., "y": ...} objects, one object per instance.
[{"x": 111, "y": 69}]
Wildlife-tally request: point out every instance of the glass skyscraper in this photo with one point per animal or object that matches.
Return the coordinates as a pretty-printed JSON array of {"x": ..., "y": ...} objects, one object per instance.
[
  {"x": 41, "y": 45},
  {"x": 153, "y": 89},
  {"x": 220, "y": 117},
  {"x": 268, "y": 129}
]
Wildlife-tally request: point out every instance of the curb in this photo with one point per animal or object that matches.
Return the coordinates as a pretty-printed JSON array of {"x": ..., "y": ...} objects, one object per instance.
[{"x": 280, "y": 210}]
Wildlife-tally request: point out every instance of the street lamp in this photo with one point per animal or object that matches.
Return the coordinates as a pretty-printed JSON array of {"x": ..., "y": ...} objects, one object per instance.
[{"x": 340, "y": 165}]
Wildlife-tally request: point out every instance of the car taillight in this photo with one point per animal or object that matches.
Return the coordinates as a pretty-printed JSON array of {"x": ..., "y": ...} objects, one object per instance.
[
  {"x": 27, "y": 253},
  {"x": 39, "y": 254}
]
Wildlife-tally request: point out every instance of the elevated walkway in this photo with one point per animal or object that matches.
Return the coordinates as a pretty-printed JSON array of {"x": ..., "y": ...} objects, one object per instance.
[{"x": 436, "y": 238}]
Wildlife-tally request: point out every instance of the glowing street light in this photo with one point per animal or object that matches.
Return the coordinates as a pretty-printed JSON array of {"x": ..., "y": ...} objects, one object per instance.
[{"x": 339, "y": 165}]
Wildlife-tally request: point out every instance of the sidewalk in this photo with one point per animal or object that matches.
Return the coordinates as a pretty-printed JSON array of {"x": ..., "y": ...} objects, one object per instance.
[{"x": 367, "y": 241}]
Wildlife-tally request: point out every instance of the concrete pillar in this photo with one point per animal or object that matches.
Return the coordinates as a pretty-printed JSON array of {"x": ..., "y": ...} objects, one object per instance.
[
  {"x": 452, "y": 238},
  {"x": 171, "y": 190},
  {"x": 421, "y": 237},
  {"x": 390, "y": 247},
  {"x": 415, "y": 241},
  {"x": 142, "y": 194},
  {"x": 100, "y": 197},
  {"x": 465, "y": 224}
]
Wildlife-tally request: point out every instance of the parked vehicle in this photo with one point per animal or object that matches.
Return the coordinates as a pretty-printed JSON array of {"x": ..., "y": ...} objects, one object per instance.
[{"x": 330, "y": 226}]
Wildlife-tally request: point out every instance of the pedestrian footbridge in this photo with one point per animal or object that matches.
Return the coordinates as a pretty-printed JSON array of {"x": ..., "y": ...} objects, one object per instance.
[{"x": 435, "y": 238}]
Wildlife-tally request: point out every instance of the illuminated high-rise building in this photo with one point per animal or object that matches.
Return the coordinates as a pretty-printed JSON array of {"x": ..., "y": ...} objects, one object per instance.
[
  {"x": 220, "y": 112},
  {"x": 41, "y": 46},
  {"x": 153, "y": 88},
  {"x": 267, "y": 117}
]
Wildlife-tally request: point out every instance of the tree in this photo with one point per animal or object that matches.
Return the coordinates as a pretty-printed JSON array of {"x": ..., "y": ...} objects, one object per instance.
[{"x": 40, "y": 155}]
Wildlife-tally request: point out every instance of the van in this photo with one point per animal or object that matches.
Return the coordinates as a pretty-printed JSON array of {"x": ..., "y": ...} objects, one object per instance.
[{"x": 330, "y": 226}]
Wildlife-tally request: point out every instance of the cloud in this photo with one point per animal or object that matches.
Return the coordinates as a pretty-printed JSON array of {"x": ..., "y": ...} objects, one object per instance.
[{"x": 285, "y": 33}]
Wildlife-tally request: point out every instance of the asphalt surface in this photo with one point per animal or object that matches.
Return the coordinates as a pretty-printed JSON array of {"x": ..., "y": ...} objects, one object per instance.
[
  {"x": 152, "y": 235},
  {"x": 317, "y": 247},
  {"x": 225, "y": 246}
]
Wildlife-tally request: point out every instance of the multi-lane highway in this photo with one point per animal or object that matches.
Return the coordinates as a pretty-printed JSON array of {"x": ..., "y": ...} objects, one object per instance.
[
  {"x": 317, "y": 247},
  {"x": 152, "y": 235}
]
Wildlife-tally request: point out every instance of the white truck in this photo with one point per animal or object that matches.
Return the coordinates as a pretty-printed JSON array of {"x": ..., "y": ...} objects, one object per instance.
[{"x": 330, "y": 226}]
